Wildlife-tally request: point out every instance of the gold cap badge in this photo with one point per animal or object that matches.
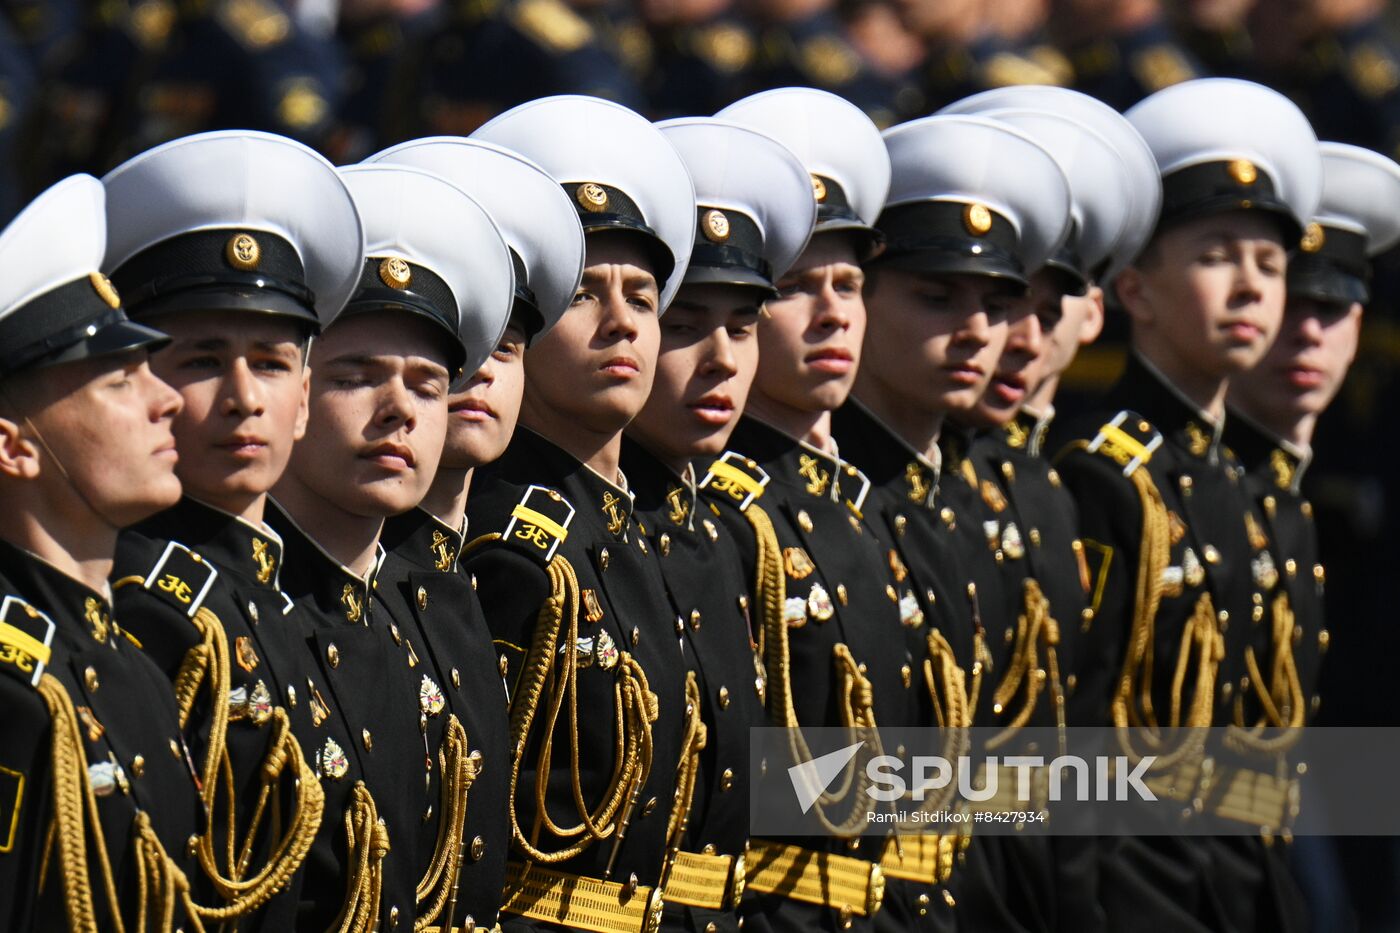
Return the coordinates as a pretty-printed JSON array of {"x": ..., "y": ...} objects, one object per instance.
[
  {"x": 1243, "y": 171},
  {"x": 395, "y": 272},
  {"x": 716, "y": 226},
  {"x": 977, "y": 218},
  {"x": 592, "y": 197},
  {"x": 105, "y": 290},
  {"x": 243, "y": 252},
  {"x": 1313, "y": 238},
  {"x": 818, "y": 189}
]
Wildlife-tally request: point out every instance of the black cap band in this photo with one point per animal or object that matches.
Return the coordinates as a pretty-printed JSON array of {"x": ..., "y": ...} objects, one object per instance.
[
  {"x": 952, "y": 237},
  {"x": 69, "y": 322},
  {"x": 1068, "y": 266},
  {"x": 603, "y": 208},
  {"x": 1330, "y": 265},
  {"x": 389, "y": 283},
  {"x": 183, "y": 271},
  {"x": 728, "y": 250},
  {"x": 1222, "y": 187}
]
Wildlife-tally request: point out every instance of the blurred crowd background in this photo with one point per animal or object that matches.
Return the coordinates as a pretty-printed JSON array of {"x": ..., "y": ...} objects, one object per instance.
[{"x": 84, "y": 84}]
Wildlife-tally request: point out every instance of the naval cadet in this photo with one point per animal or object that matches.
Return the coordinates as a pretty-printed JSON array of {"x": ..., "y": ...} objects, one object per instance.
[
  {"x": 570, "y": 585},
  {"x": 827, "y": 614},
  {"x": 954, "y": 270},
  {"x": 1037, "y": 517},
  {"x": 1160, "y": 497},
  {"x": 200, "y": 581},
  {"x": 433, "y": 294},
  {"x": 96, "y": 782},
  {"x": 542, "y": 231},
  {"x": 754, "y": 213},
  {"x": 1276, "y": 405}
]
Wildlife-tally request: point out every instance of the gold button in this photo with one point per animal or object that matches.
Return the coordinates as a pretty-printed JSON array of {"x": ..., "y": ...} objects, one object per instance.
[
  {"x": 478, "y": 848},
  {"x": 1034, "y": 535},
  {"x": 1324, "y": 638},
  {"x": 367, "y": 739},
  {"x": 804, "y": 521},
  {"x": 710, "y": 927},
  {"x": 504, "y": 665},
  {"x": 422, "y": 598},
  {"x": 393, "y": 916},
  {"x": 889, "y": 591},
  {"x": 604, "y": 559},
  {"x": 333, "y": 655},
  {"x": 1185, "y": 484},
  {"x": 473, "y": 581},
  {"x": 1319, "y": 574},
  {"x": 1210, "y": 553},
  {"x": 631, "y": 886},
  {"x": 394, "y": 631},
  {"x": 907, "y": 675},
  {"x": 253, "y": 612},
  {"x": 90, "y": 678},
  {"x": 900, "y": 524},
  {"x": 726, "y": 780},
  {"x": 724, "y": 697},
  {"x": 192, "y": 846},
  {"x": 291, "y": 696},
  {"x": 138, "y": 766},
  {"x": 841, "y": 593},
  {"x": 642, "y": 543},
  {"x": 709, "y": 849},
  {"x": 175, "y": 750},
  {"x": 469, "y": 924},
  {"x": 636, "y": 636},
  {"x": 680, "y": 626},
  {"x": 695, "y": 619},
  {"x": 665, "y": 544},
  {"x": 1290, "y": 567},
  {"x": 948, "y": 898}
]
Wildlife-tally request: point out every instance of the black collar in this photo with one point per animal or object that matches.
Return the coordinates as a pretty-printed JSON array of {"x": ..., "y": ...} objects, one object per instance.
[
  {"x": 1264, "y": 454},
  {"x": 1147, "y": 392},
  {"x": 664, "y": 498},
  {"x": 56, "y": 594},
  {"x": 310, "y": 572},
  {"x": 884, "y": 456},
  {"x": 232, "y": 544},
  {"x": 423, "y": 540}
]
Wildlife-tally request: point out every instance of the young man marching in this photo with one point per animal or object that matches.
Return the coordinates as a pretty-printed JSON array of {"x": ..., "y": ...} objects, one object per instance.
[
  {"x": 570, "y": 586},
  {"x": 754, "y": 213}
]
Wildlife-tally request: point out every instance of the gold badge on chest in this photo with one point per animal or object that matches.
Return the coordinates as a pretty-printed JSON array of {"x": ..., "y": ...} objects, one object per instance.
[
  {"x": 797, "y": 564},
  {"x": 818, "y": 480}
]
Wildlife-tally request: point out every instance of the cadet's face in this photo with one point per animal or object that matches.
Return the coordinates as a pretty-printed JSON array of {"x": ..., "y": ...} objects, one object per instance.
[
  {"x": 595, "y": 367},
  {"x": 1305, "y": 367},
  {"x": 1079, "y": 323},
  {"x": 1021, "y": 365},
  {"x": 244, "y": 386},
  {"x": 108, "y": 421},
  {"x": 483, "y": 412},
  {"x": 709, "y": 354},
  {"x": 935, "y": 340},
  {"x": 810, "y": 343},
  {"x": 1211, "y": 293},
  {"x": 379, "y": 384}
]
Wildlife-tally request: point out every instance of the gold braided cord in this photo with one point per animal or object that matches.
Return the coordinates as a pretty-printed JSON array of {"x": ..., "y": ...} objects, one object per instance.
[
  {"x": 1201, "y": 642},
  {"x": 207, "y": 665},
  {"x": 946, "y": 682},
  {"x": 366, "y": 845},
  {"x": 635, "y": 711},
  {"x": 687, "y": 773},
  {"x": 457, "y": 770},
  {"x": 72, "y": 796},
  {"x": 1282, "y": 701},
  {"x": 853, "y": 688}
]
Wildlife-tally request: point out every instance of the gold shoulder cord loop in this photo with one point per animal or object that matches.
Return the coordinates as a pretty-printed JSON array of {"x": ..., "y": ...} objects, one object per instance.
[
  {"x": 1282, "y": 701},
  {"x": 458, "y": 770},
  {"x": 856, "y": 708},
  {"x": 687, "y": 773},
  {"x": 206, "y": 665},
  {"x": 367, "y": 843},
  {"x": 635, "y": 712},
  {"x": 1202, "y": 640}
]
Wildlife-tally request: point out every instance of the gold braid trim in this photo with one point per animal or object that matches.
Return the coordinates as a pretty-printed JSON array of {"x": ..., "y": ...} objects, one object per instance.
[
  {"x": 1201, "y": 639},
  {"x": 1282, "y": 702},
  {"x": 687, "y": 774},
  {"x": 458, "y": 770},
  {"x": 946, "y": 682},
  {"x": 1036, "y": 632},
  {"x": 366, "y": 844},
  {"x": 635, "y": 707},
  {"x": 857, "y": 716},
  {"x": 207, "y": 666}
]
